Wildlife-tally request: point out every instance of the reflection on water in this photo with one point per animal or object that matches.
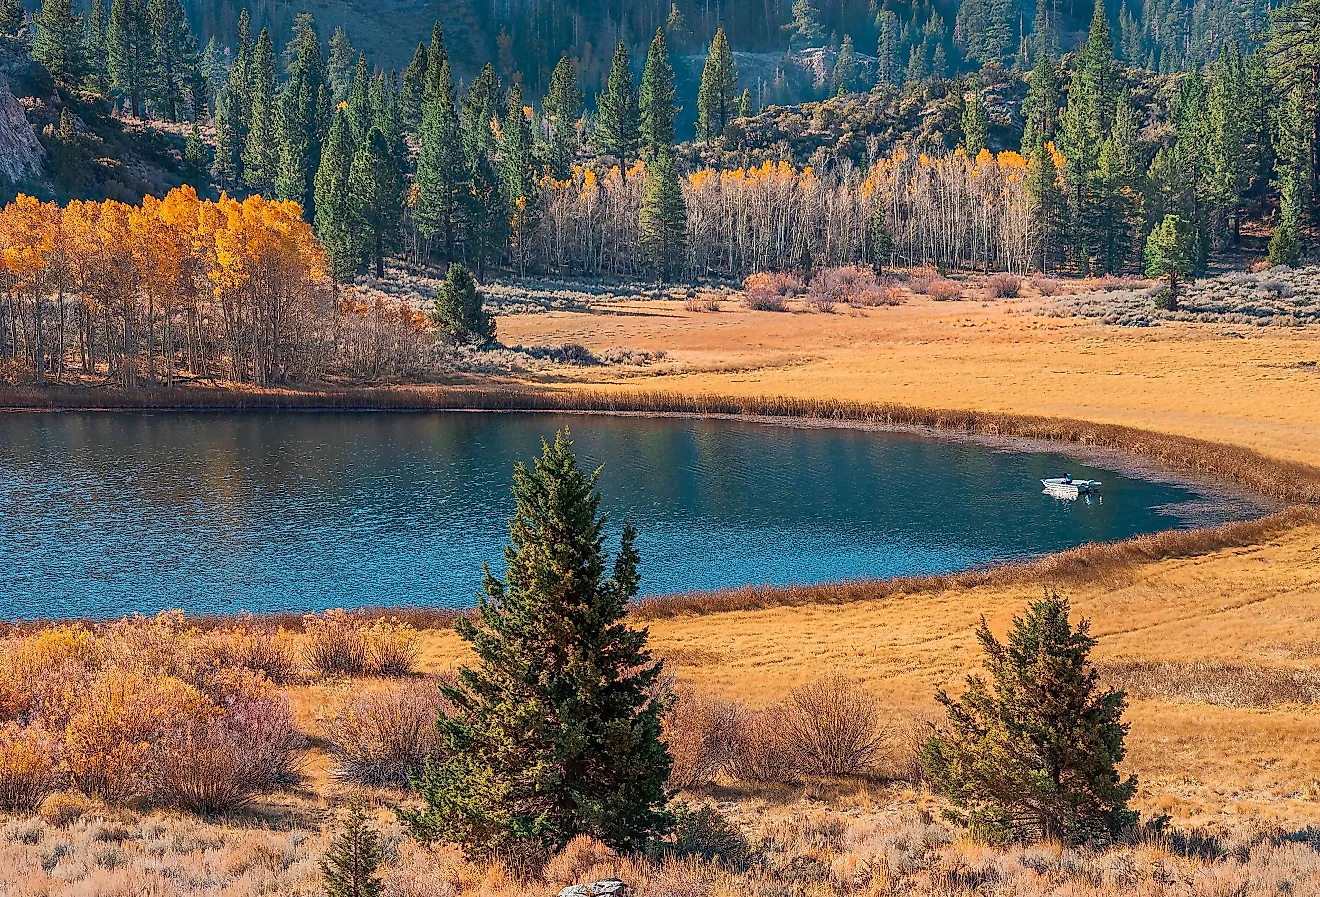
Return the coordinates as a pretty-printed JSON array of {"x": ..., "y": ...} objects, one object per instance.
[{"x": 102, "y": 514}]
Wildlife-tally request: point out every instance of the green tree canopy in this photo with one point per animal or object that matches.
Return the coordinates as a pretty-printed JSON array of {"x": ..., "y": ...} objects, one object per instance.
[
  {"x": 1171, "y": 252},
  {"x": 349, "y": 866},
  {"x": 554, "y": 730},
  {"x": 1033, "y": 752},
  {"x": 617, "y": 129},
  {"x": 457, "y": 313},
  {"x": 662, "y": 222},
  {"x": 717, "y": 96},
  {"x": 657, "y": 99}
]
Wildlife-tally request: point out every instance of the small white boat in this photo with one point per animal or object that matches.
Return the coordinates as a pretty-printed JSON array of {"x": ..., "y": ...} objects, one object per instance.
[{"x": 1066, "y": 487}]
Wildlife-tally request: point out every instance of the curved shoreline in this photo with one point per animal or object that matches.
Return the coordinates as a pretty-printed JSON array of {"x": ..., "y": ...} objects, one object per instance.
[{"x": 1285, "y": 482}]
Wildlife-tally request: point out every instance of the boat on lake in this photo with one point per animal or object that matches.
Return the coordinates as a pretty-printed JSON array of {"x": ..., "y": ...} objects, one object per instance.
[{"x": 1066, "y": 487}]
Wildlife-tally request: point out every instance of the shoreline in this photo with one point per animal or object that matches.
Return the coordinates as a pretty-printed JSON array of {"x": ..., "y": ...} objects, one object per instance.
[{"x": 1291, "y": 488}]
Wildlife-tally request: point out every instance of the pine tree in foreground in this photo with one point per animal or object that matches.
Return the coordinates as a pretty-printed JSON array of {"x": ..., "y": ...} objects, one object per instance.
[
  {"x": 1033, "y": 753},
  {"x": 554, "y": 731},
  {"x": 349, "y": 866},
  {"x": 458, "y": 314}
]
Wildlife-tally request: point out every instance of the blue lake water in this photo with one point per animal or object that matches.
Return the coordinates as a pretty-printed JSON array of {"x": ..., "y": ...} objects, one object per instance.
[{"x": 103, "y": 514}]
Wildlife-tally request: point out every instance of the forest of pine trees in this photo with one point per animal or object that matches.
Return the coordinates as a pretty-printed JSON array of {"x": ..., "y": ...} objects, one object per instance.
[{"x": 425, "y": 165}]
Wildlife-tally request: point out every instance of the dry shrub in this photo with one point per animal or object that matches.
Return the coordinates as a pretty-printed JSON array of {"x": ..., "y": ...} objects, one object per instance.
[
  {"x": 222, "y": 762},
  {"x": 112, "y": 738},
  {"x": 942, "y": 290},
  {"x": 63, "y": 808},
  {"x": 708, "y": 302},
  {"x": 391, "y": 647},
  {"x": 842, "y": 284},
  {"x": 758, "y": 752},
  {"x": 29, "y": 766},
  {"x": 1262, "y": 265},
  {"x": 577, "y": 859},
  {"x": 1047, "y": 286},
  {"x": 334, "y": 644},
  {"x": 887, "y": 293},
  {"x": 833, "y": 727},
  {"x": 1213, "y": 682},
  {"x": 1004, "y": 286},
  {"x": 383, "y": 736},
  {"x": 769, "y": 290},
  {"x": 821, "y": 304},
  {"x": 271, "y": 651},
  {"x": 39, "y": 672},
  {"x": 700, "y": 732},
  {"x": 920, "y": 279}
]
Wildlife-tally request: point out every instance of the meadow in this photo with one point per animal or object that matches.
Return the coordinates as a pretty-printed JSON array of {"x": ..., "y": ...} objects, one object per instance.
[{"x": 1211, "y": 632}]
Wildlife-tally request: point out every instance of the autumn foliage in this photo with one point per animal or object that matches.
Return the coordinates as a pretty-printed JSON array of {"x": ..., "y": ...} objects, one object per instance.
[{"x": 183, "y": 287}]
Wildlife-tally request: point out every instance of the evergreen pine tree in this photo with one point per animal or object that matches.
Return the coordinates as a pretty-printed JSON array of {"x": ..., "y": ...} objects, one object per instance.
[
  {"x": 12, "y": 17},
  {"x": 676, "y": 26},
  {"x": 94, "y": 45},
  {"x": 1191, "y": 146},
  {"x": 1229, "y": 158},
  {"x": 58, "y": 41},
  {"x": 1118, "y": 173},
  {"x": 195, "y": 157},
  {"x": 130, "y": 52},
  {"x": 335, "y": 221},
  {"x": 339, "y": 69},
  {"x": 844, "y": 76},
  {"x": 1086, "y": 120},
  {"x": 656, "y": 101},
  {"x": 1033, "y": 753},
  {"x": 437, "y": 60},
  {"x": 715, "y": 97},
  {"x": 349, "y": 866},
  {"x": 361, "y": 114},
  {"x": 302, "y": 121},
  {"x": 1047, "y": 205},
  {"x": 554, "y": 731},
  {"x": 1041, "y": 107},
  {"x": 882, "y": 241},
  {"x": 616, "y": 132},
  {"x": 261, "y": 158},
  {"x": 805, "y": 29},
  {"x": 1292, "y": 159},
  {"x": 562, "y": 108},
  {"x": 176, "y": 85},
  {"x": 886, "y": 49},
  {"x": 662, "y": 222},
  {"x": 414, "y": 89},
  {"x": 1171, "y": 252},
  {"x": 377, "y": 194},
  {"x": 457, "y": 313},
  {"x": 239, "y": 84},
  {"x": 975, "y": 123},
  {"x": 442, "y": 175},
  {"x": 1293, "y": 50},
  {"x": 487, "y": 214},
  {"x": 517, "y": 172},
  {"x": 227, "y": 167}
]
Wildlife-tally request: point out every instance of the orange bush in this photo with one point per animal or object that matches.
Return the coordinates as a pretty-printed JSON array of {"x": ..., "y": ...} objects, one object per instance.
[
  {"x": 29, "y": 766},
  {"x": 767, "y": 290},
  {"x": 700, "y": 732},
  {"x": 112, "y": 737},
  {"x": 40, "y": 672}
]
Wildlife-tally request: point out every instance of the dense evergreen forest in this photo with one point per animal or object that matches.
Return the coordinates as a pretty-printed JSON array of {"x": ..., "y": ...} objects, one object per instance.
[{"x": 1008, "y": 144}]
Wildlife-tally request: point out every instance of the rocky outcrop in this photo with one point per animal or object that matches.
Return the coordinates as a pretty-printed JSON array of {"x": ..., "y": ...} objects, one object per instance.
[
  {"x": 21, "y": 155},
  {"x": 610, "y": 887}
]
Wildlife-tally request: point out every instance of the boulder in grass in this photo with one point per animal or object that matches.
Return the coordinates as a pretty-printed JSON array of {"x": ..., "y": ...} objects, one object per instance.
[{"x": 609, "y": 887}]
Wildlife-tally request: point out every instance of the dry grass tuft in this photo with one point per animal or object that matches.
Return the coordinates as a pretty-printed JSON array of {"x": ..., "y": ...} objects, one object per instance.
[
  {"x": 334, "y": 644},
  {"x": 381, "y": 737},
  {"x": 1210, "y": 682}
]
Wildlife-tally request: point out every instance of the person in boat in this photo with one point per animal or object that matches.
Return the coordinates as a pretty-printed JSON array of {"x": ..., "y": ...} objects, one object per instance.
[{"x": 1067, "y": 478}]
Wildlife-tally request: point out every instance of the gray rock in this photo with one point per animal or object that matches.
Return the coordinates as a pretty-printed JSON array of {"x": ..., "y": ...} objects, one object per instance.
[
  {"x": 609, "y": 887},
  {"x": 21, "y": 155}
]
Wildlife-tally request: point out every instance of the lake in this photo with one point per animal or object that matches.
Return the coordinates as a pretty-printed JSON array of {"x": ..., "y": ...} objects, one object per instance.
[{"x": 103, "y": 514}]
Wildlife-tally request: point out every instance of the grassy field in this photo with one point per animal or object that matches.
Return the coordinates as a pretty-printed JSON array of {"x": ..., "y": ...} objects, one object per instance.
[
  {"x": 1215, "y": 638},
  {"x": 1248, "y": 386}
]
